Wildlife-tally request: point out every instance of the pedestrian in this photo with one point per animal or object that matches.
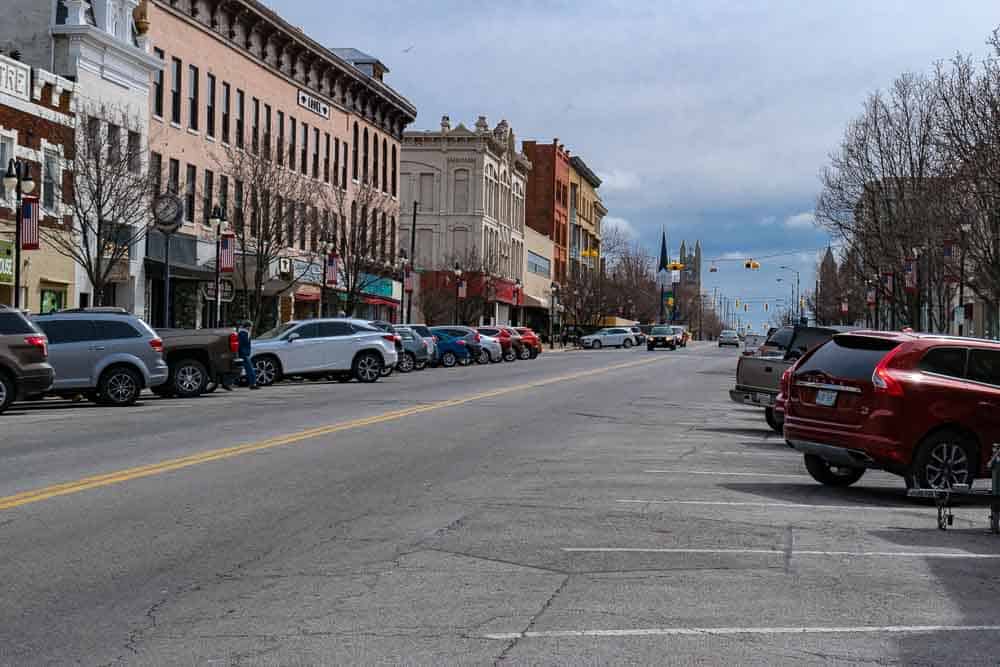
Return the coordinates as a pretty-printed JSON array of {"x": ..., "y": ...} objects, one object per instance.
[
  {"x": 244, "y": 351},
  {"x": 564, "y": 338}
]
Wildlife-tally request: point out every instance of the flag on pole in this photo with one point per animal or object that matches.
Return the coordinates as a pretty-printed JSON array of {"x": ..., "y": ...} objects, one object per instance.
[
  {"x": 331, "y": 269},
  {"x": 227, "y": 253},
  {"x": 910, "y": 275},
  {"x": 29, "y": 223}
]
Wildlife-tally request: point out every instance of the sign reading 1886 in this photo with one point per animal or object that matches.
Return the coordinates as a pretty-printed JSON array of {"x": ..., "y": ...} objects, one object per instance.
[{"x": 318, "y": 107}]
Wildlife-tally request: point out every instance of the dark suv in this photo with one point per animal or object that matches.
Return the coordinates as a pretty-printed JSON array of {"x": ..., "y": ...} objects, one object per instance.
[{"x": 24, "y": 367}]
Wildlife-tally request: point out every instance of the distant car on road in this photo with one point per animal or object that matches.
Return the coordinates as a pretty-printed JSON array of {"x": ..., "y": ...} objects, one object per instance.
[
  {"x": 24, "y": 351},
  {"x": 609, "y": 337},
  {"x": 729, "y": 337},
  {"x": 661, "y": 336},
  {"x": 752, "y": 343},
  {"x": 323, "y": 348},
  {"x": 638, "y": 335},
  {"x": 682, "y": 335},
  {"x": 107, "y": 354}
]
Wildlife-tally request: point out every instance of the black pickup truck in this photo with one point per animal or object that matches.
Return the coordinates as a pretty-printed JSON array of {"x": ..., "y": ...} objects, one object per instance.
[{"x": 199, "y": 359}]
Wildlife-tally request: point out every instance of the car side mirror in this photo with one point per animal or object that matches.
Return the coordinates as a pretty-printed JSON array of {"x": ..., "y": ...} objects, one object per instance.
[{"x": 292, "y": 337}]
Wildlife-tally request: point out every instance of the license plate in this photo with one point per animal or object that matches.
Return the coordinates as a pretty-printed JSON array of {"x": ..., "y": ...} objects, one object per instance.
[
  {"x": 761, "y": 398},
  {"x": 826, "y": 398}
]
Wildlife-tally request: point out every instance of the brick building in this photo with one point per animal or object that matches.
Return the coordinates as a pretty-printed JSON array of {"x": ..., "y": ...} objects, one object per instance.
[
  {"x": 547, "y": 201},
  {"x": 36, "y": 126}
]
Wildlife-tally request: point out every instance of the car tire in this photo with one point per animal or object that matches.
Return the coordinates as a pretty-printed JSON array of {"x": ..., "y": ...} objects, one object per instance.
[
  {"x": 944, "y": 459},
  {"x": 830, "y": 475},
  {"x": 509, "y": 354},
  {"x": 596, "y": 345},
  {"x": 367, "y": 367},
  {"x": 188, "y": 378},
  {"x": 419, "y": 365},
  {"x": 525, "y": 354},
  {"x": 628, "y": 343},
  {"x": 8, "y": 390},
  {"x": 483, "y": 357},
  {"x": 386, "y": 371},
  {"x": 211, "y": 386},
  {"x": 119, "y": 386},
  {"x": 406, "y": 363},
  {"x": 267, "y": 369},
  {"x": 771, "y": 417},
  {"x": 534, "y": 353},
  {"x": 448, "y": 359}
]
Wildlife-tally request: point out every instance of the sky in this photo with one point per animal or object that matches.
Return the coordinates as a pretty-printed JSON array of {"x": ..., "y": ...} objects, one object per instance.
[{"x": 708, "y": 119}]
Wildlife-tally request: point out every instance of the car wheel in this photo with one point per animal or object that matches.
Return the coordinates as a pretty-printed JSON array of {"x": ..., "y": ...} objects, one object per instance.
[
  {"x": 777, "y": 425},
  {"x": 188, "y": 378},
  {"x": 420, "y": 365},
  {"x": 407, "y": 363},
  {"x": 119, "y": 386},
  {"x": 483, "y": 357},
  {"x": 267, "y": 369},
  {"x": 829, "y": 474},
  {"x": 524, "y": 354},
  {"x": 509, "y": 354},
  {"x": 596, "y": 345},
  {"x": 943, "y": 460},
  {"x": 385, "y": 371},
  {"x": 211, "y": 386},
  {"x": 448, "y": 359},
  {"x": 627, "y": 343},
  {"x": 367, "y": 367},
  {"x": 7, "y": 391}
]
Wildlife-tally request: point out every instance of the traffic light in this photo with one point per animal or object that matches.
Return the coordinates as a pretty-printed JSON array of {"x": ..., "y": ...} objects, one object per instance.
[
  {"x": 766, "y": 307},
  {"x": 746, "y": 307},
  {"x": 751, "y": 264},
  {"x": 675, "y": 266}
]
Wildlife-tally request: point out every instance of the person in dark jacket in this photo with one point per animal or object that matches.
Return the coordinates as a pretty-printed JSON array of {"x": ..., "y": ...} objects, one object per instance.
[{"x": 244, "y": 352}]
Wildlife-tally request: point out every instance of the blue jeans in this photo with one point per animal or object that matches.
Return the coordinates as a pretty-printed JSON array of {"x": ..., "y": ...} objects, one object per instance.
[{"x": 250, "y": 371}]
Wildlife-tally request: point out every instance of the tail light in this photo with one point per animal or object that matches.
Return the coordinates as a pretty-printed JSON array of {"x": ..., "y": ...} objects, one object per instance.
[
  {"x": 476, "y": 338},
  {"x": 391, "y": 338},
  {"x": 40, "y": 342},
  {"x": 234, "y": 342},
  {"x": 460, "y": 341},
  {"x": 883, "y": 380},
  {"x": 436, "y": 339},
  {"x": 786, "y": 382},
  {"x": 156, "y": 344}
]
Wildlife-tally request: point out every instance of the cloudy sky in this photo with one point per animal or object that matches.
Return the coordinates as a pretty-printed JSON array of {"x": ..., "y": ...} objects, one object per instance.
[{"x": 710, "y": 118}]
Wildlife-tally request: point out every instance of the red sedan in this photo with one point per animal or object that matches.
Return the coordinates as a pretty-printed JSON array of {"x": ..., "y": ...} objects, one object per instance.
[{"x": 531, "y": 340}]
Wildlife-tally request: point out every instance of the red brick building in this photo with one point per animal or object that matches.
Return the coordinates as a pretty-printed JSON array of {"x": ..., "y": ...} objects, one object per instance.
[{"x": 547, "y": 200}]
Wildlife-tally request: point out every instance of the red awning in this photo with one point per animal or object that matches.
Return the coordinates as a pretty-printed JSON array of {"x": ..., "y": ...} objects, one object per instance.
[{"x": 379, "y": 301}]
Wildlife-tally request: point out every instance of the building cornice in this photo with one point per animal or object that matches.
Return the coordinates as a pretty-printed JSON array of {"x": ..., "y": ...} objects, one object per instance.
[
  {"x": 581, "y": 168},
  {"x": 100, "y": 38}
]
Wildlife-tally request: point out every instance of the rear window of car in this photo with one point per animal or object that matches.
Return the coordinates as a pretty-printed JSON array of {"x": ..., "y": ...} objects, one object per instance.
[
  {"x": 13, "y": 324},
  {"x": 847, "y": 358},
  {"x": 780, "y": 338},
  {"x": 421, "y": 330},
  {"x": 115, "y": 330},
  {"x": 489, "y": 332},
  {"x": 948, "y": 361},
  {"x": 365, "y": 328},
  {"x": 68, "y": 331},
  {"x": 984, "y": 366}
]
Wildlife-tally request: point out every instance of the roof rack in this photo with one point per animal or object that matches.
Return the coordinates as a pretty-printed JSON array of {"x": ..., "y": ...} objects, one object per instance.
[{"x": 103, "y": 310}]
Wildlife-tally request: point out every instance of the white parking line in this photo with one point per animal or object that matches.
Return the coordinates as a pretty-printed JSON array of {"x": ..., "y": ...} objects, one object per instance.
[
  {"x": 727, "y": 503},
  {"x": 794, "y": 552},
  {"x": 722, "y": 474},
  {"x": 805, "y": 630}
]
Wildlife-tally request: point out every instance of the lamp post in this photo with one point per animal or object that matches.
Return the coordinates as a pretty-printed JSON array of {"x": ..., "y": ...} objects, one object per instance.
[
  {"x": 18, "y": 178},
  {"x": 458, "y": 286},
  {"x": 798, "y": 296},
  {"x": 553, "y": 293},
  {"x": 218, "y": 221},
  {"x": 517, "y": 300},
  {"x": 964, "y": 228},
  {"x": 403, "y": 261},
  {"x": 413, "y": 258}
]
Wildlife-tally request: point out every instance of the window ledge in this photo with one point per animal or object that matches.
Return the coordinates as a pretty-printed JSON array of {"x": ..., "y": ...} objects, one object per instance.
[
  {"x": 176, "y": 126},
  {"x": 193, "y": 132}
]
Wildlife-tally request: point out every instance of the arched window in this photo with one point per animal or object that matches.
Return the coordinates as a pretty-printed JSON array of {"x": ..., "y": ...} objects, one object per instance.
[
  {"x": 385, "y": 163},
  {"x": 364, "y": 156},
  {"x": 460, "y": 191},
  {"x": 393, "y": 171},
  {"x": 375, "y": 161},
  {"x": 354, "y": 154}
]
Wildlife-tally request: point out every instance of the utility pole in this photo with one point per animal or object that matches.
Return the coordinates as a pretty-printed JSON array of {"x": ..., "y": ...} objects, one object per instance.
[{"x": 413, "y": 259}]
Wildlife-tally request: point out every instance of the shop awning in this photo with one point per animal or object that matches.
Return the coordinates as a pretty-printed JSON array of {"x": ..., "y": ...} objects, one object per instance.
[
  {"x": 307, "y": 294},
  {"x": 379, "y": 301},
  {"x": 528, "y": 301},
  {"x": 155, "y": 269}
]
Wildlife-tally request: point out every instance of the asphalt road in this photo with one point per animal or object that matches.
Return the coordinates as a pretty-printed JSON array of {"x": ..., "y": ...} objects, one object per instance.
[{"x": 582, "y": 508}]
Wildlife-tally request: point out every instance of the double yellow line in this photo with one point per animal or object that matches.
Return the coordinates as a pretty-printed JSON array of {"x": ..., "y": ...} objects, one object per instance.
[{"x": 120, "y": 476}]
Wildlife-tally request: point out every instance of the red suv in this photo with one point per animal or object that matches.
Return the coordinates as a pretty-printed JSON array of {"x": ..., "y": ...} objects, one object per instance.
[
  {"x": 530, "y": 340},
  {"x": 922, "y": 406}
]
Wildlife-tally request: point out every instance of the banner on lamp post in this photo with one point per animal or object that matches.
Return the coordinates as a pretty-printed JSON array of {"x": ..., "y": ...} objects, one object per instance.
[
  {"x": 910, "y": 275},
  {"x": 888, "y": 284},
  {"x": 461, "y": 289},
  {"x": 332, "y": 266}
]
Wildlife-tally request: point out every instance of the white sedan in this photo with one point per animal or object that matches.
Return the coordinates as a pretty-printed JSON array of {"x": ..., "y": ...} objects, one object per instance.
[{"x": 610, "y": 337}]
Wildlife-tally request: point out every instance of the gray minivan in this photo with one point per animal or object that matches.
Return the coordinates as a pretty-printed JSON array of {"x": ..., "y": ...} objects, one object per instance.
[{"x": 107, "y": 354}]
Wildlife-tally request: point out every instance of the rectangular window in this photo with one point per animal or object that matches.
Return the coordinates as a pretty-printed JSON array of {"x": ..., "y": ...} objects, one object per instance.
[
  {"x": 50, "y": 181},
  {"x": 292, "y": 133},
  {"x": 267, "y": 131},
  {"x": 158, "y": 86},
  {"x": 279, "y": 146},
  {"x": 206, "y": 196},
  {"x": 393, "y": 171},
  {"x": 224, "y": 195},
  {"x": 193, "y": 97},
  {"x": 290, "y": 213},
  {"x": 538, "y": 265},
  {"x": 175, "y": 91},
  {"x": 114, "y": 145},
  {"x": 255, "y": 126},
  {"x": 303, "y": 226},
  {"x": 238, "y": 206},
  {"x": 210, "y": 107},
  {"x": 135, "y": 152},
  {"x": 240, "y": 118},
  {"x": 304, "y": 156},
  {"x": 189, "y": 186},
  {"x": 315, "y": 171},
  {"x": 426, "y": 192},
  {"x": 336, "y": 161},
  {"x": 343, "y": 165},
  {"x": 174, "y": 177},
  {"x": 225, "y": 112},
  {"x": 156, "y": 172},
  {"x": 326, "y": 158}
]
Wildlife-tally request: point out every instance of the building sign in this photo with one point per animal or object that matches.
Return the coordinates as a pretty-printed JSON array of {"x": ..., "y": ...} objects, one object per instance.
[
  {"x": 308, "y": 272},
  {"x": 228, "y": 290},
  {"x": 6, "y": 263},
  {"x": 317, "y": 106},
  {"x": 15, "y": 77},
  {"x": 375, "y": 286}
]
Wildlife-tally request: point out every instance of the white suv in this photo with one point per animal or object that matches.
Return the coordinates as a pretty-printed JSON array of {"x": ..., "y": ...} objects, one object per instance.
[{"x": 323, "y": 347}]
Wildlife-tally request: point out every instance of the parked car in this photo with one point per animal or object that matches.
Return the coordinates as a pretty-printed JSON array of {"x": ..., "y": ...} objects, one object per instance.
[
  {"x": 522, "y": 349},
  {"x": 510, "y": 342},
  {"x": 336, "y": 347},
  {"x": 472, "y": 338},
  {"x": 107, "y": 354},
  {"x": 661, "y": 336},
  {"x": 638, "y": 335},
  {"x": 729, "y": 337},
  {"x": 452, "y": 347},
  {"x": 198, "y": 358},
  {"x": 424, "y": 332},
  {"x": 608, "y": 337},
  {"x": 416, "y": 351},
  {"x": 492, "y": 351},
  {"x": 24, "y": 352},
  {"x": 531, "y": 340},
  {"x": 917, "y": 405},
  {"x": 682, "y": 335}
]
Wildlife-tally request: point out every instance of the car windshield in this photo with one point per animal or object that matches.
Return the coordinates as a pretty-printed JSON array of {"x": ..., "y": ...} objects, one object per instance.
[
  {"x": 278, "y": 331},
  {"x": 661, "y": 331}
]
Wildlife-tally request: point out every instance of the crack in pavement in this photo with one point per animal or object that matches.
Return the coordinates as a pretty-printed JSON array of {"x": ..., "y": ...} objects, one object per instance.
[{"x": 531, "y": 622}]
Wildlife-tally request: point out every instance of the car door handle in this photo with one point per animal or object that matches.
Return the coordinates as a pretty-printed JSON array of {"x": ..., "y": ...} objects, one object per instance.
[
  {"x": 97, "y": 348},
  {"x": 987, "y": 404}
]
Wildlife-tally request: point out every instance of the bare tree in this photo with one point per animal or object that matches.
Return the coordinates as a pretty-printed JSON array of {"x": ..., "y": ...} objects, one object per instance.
[{"x": 107, "y": 190}]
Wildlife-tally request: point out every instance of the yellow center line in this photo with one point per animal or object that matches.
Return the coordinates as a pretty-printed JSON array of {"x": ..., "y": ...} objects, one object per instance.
[{"x": 120, "y": 476}]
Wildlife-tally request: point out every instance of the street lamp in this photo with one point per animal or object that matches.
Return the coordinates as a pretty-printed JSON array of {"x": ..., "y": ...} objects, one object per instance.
[
  {"x": 965, "y": 228},
  {"x": 553, "y": 294},
  {"x": 403, "y": 260},
  {"x": 18, "y": 178},
  {"x": 798, "y": 296},
  {"x": 458, "y": 285},
  {"x": 218, "y": 221},
  {"x": 517, "y": 301}
]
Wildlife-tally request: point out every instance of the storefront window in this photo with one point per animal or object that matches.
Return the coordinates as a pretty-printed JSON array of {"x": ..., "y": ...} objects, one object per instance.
[{"x": 52, "y": 300}]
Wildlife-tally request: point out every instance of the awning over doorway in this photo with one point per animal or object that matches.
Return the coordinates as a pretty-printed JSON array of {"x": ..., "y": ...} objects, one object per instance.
[{"x": 155, "y": 268}]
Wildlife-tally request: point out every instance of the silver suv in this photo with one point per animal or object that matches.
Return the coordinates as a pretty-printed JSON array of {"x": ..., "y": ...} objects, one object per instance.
[{"x": 105, "y": 353}]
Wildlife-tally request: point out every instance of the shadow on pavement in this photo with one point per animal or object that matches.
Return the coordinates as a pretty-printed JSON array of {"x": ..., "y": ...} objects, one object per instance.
[
  {"x": 807, "y": 493},
  {"x": 727, "y": 430}
]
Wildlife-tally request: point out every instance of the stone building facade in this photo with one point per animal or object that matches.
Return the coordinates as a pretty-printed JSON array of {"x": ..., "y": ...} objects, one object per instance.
[{"x": 470, "y": 189}]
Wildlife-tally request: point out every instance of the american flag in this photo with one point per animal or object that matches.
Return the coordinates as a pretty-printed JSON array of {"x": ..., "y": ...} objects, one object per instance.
[
  {"x": 227, "y": 252},
  {"x": 29, "y": 223},
  {"x": 331, "y": 269}
]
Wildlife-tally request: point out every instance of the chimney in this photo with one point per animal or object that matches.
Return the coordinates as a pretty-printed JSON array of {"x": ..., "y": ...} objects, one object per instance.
[
  {"x": 482, "y": 125},
  {"x": 555, "y": 142},
  {"x": 445, "y": 123}
]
